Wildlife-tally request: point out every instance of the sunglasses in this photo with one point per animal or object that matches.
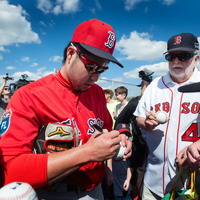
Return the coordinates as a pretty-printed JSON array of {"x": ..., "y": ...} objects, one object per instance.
[
  {"x": 180, "y": 56},
  {"x": 91, "y": 67},
  {"x": 6, "y": 88}
]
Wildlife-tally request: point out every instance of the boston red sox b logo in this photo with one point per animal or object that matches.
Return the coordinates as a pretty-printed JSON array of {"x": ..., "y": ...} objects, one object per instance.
[
  {"x": 111, "y": 40},
  {"x": 177, "y": 40}
]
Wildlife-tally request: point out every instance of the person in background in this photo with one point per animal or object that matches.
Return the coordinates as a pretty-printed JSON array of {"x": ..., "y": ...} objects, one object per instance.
[
  {"x": 122, "y": 172},
  {"x": 121, "y": 93},
  {"x": 5, "y": 95},
  {"x": 168, "y": 140},
  {"x": 107, "y": 182},
  {"x": 65, "y": 104},
  {"x": 139, "y": 146},
  {"x": 127, "y": 113},
  {"x": 111, "y": 103}
]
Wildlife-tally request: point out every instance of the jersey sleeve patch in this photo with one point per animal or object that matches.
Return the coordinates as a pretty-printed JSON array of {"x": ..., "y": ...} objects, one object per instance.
[{"x": 5, "y": 121}]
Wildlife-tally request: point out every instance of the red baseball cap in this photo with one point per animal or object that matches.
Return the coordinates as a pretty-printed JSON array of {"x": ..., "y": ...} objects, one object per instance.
[{"x": 98, "y": 38}]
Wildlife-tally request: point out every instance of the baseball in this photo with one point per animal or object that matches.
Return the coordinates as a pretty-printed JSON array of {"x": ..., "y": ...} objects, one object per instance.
[
  {"x": 120, "y": 153},
  {"x": 161, "y": 117},
  {"x": 18, "y": 190}
]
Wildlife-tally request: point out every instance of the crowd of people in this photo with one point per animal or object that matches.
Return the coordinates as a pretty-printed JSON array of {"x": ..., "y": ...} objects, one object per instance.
[{"x": 56, "y": 142}]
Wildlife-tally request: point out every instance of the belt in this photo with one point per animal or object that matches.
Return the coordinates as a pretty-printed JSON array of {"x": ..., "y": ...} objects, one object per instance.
[{"x": 75, "y": 188}]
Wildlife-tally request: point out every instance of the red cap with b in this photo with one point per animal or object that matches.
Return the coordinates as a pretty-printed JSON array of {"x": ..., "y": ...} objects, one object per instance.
[{"x": 98, "y": 38}]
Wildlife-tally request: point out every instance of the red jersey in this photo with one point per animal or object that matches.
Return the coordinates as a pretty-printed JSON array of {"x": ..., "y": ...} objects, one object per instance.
[{"x": 51, "y": 99}]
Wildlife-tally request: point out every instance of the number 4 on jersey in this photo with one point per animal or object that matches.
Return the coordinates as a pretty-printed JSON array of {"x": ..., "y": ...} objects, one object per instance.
[{"x": 191, "y": 134}]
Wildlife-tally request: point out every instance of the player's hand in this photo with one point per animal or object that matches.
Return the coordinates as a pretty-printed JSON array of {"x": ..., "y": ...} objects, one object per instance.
[
  {"x": 181, "y": 158},
  {"x": 128, "y": 144},
  {"x": 193, "y": 155},
  {"x": 150, "y": 121},
  {"x": 102, "y": 146}
]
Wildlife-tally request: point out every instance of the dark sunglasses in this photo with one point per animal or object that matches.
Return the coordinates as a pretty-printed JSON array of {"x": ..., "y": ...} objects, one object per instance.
[
  {"x": 6, "y": 88},
  {"x": 90, "y": 65},
  {"x": 180, "y": 56}
]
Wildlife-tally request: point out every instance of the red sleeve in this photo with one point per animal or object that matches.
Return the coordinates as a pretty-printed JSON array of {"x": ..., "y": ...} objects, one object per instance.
[
  {"x": 16, "y": 168},
  {"x": 20, "y": 124}
]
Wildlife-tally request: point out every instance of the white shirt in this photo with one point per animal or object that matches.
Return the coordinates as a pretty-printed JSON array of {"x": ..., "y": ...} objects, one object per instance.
[{"x": 166, "y": 140}]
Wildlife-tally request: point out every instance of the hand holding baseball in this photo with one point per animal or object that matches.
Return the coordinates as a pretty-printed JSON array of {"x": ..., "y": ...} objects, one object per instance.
[
  {"x": 161, "y": 117},
  {"x": 154, "y": 119}
]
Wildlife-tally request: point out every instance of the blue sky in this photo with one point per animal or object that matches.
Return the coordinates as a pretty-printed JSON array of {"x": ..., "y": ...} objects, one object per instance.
[{"x": 33, "y": 34}]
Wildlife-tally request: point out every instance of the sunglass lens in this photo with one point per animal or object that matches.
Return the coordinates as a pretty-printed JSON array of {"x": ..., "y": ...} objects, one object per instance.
[
  {"x": 185, "y": 56},
  {"x": 170, "y": 57},
  {"x": 94, "y": 69},
  {"x": 180, "y": 56}
]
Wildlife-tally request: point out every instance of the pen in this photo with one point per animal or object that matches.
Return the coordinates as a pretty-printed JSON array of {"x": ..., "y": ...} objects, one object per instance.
[{"x": 98, "y": 128}]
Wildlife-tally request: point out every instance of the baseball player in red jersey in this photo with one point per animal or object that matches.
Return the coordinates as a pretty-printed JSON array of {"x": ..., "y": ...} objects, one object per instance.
[
  {"x": 168, "y": 142},
  {"x": 67, "y": 98}
]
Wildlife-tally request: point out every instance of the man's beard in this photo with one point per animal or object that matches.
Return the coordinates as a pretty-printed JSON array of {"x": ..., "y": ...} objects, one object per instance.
[{"x": 180, "y": 73}]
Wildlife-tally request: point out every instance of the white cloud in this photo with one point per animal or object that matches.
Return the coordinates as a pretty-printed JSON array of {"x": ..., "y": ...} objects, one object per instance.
[
  {"x": 98, "y": 5},
  {"x": 45, "y": 6},
  {"x": 168, "y": 2},
  {"x": 159, "y": 69},
  {"x": 130, "y": 4},
  {"x": 32, "y": 75},
  {"x": 25, "y": 59},
  {"x": 59, "y": 6},
  {"x": 34, "y": 64},
  {"x": 56, "y": 58},
  {"x": 3, "y": 49},
  {"x": 41, "y": 72},
  {"x": 139, "y": 47},
  {"x": 14, "y": 28},
  {"x": 42, "y": 24},
  {"x": 10, "y": 67}
]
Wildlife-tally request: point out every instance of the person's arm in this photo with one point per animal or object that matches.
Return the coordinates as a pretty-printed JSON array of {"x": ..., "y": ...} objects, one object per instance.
[
  {"x": 3, "y": 85},
  {"x": 128, "y": 178},
  {"x": 100, "y": 147},
  {"x": 115, "y": 112},
  {"x": 45, "y": 169},
  {"x": 181, "y": 158},
  {"x": 109, "y": 172},
  {"x": 193, "y": 155}
]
